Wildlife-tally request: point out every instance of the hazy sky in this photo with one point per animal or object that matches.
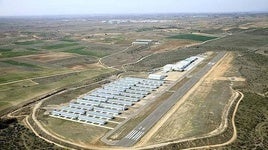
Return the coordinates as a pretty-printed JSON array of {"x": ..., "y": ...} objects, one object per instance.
[{"x": 65, "y": 7}]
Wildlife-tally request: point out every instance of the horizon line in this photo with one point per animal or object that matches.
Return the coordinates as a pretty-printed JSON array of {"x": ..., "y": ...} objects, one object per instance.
[{"x": 133, "y": 14}]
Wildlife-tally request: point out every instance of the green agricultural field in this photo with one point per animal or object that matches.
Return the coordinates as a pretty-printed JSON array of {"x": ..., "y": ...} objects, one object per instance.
[
  {"x": 2, "y": 49},
  {"x": 193, "y": 37},
  {"x": 58, "y": 46},
  {"x": 33, "y": 49},
  {"x": 15, "y": 63},
  {"x": 252, "y": 39},
  {"x": 29, "y": 42},
  {"x": 8, "y": 54},
  {"x": 84, "y": 51},
  {"x": 14, "y": 76}
]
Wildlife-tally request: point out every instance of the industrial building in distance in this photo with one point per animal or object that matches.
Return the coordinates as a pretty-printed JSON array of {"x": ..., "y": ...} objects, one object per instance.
[
  {"x": 103, "y": 104},
  {"x": 143, "y": 42}
]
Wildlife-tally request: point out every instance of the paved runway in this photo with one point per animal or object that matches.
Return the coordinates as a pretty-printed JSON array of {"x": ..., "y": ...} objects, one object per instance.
[{"x": 162, "y": 109}]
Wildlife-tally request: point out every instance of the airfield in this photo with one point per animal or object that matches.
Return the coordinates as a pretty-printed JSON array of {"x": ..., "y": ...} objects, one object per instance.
[{"x": 100, "y": 83}]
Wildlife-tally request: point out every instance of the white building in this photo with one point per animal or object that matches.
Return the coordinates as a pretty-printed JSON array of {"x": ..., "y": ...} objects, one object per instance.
[
  {"x": 168, "y": 68},
  {"x": 156, "y": 76},
  {"x": 180, "y": 66},
  {"x": 142, "y": 42}
]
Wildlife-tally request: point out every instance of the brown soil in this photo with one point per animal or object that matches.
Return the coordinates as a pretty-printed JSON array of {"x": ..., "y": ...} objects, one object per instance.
[
  {"x": 221, "y": 69},
  {"x": 174, "y": 75},
  {"x": 78, "y": 67},
  {"x": 47, "y": 57}
]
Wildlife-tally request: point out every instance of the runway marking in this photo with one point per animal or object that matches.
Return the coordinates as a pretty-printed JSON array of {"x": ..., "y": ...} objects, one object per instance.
[
  {"x": 134, "y": 137},
  {"x": 138, "y": 135},
  {"x": 135, "y": 134},
  {"x": 131, "y": 134}
]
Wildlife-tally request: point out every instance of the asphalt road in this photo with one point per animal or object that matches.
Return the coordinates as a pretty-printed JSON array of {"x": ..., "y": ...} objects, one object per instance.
[{"x": 162, "y": 109}]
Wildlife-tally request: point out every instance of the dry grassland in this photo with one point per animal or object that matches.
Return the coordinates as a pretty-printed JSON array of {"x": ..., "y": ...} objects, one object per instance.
[
  {"x": 170, "y": 45},
  {"x": 48, "y": 57},
  {"x": 201, "y": 110}
]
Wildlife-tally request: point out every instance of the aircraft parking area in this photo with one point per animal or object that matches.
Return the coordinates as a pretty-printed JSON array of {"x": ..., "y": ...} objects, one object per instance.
[{"x": 103, "y": 104}]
